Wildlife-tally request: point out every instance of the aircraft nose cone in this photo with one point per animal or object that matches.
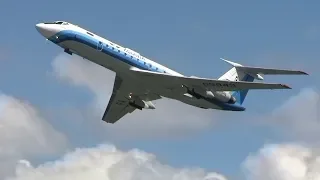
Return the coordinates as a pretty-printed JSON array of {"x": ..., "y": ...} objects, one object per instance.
[
  {"x": 39, "y": 26},
  {"x": 45, "y": 30}
]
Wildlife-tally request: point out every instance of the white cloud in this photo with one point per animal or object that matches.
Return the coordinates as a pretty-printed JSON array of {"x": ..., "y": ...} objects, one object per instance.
[
  {"x": 300, "y": 160},
  {"x": 105, "y": 162},
  {"x": 24, "y": 134},
  {"x": 170, "y": 117},
  {"x": 299, "y": 116},
  {"x": 284, "y": 162}
]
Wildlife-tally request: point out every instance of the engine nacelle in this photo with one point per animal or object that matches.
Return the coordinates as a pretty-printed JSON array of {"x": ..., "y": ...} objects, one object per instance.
[
  {"x": 140, "y": 104},
  {"x": 220, "y": 95},
  {"x": 224, "y": 97}
]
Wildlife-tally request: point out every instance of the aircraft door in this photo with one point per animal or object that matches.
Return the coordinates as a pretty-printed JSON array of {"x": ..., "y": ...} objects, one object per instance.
[{"x": 99, "y": 46}]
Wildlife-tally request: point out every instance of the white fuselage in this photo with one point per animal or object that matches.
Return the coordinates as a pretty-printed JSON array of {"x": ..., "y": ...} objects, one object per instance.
[
  {"x": 107, "y": 60},
  {"x": 86, "y": 44}
]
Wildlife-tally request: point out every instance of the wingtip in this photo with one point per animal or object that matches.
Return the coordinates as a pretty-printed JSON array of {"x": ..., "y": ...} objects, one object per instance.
[
  {"x": 108, "y": 122},
  {"x": 304, "y": 73},
  {"x": 223, "y": 59},
  {"x": 285, "y": 86}
]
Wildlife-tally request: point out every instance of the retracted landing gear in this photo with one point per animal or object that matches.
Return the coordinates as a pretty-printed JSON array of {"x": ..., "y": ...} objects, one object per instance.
[{"x": 68, "y": 51}]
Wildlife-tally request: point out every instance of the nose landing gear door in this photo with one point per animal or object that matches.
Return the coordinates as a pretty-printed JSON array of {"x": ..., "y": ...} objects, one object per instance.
[{"x": 99, "y": 46}]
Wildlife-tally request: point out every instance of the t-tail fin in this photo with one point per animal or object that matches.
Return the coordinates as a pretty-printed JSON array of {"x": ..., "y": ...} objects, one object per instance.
[
  {"x": 235, "y": 75},
  {"x": 245, "y": 73}
]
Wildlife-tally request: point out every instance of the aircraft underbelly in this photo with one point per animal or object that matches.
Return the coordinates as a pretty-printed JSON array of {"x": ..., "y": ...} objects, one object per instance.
[{"x": 200, "y": 103}]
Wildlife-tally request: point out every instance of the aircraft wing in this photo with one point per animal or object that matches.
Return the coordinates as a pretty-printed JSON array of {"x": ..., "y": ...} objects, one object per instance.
[
  {"x": 117, "y": 108},
  {"x": 119, "y": 103},
  {"x": 161, "y": 80}
]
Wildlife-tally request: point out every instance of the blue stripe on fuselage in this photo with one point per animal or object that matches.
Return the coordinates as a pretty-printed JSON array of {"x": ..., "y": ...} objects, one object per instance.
[{"x": 70, "y": 35}]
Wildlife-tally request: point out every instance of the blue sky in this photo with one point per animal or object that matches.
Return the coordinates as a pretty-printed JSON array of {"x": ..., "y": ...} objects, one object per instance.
[{"x": 186, "y": 36}]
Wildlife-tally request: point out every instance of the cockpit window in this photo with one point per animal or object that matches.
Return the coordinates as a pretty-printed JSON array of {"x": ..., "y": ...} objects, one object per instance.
[{"x": 57, "y": 22}]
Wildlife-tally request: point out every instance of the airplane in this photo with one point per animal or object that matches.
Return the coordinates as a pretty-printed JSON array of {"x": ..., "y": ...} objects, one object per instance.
[{"x": 139, "y": 80}]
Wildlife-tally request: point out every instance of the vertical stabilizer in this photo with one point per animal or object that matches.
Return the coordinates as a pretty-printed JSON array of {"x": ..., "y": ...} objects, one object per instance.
[{"x": 234, "y": 75}]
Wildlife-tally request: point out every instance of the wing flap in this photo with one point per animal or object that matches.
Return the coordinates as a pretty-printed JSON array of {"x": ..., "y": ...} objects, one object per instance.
[
  {"x": 119, "y": 103},
  {"x": 116, "y": 111}
]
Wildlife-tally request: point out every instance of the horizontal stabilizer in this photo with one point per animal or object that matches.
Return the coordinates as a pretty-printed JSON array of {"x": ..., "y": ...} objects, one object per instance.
[{"x": 257, "y": 72}]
